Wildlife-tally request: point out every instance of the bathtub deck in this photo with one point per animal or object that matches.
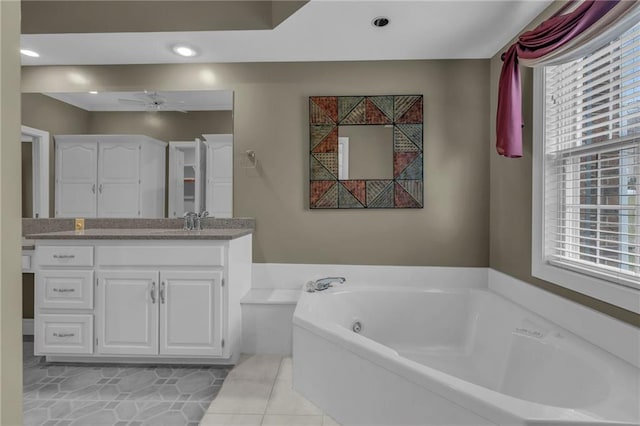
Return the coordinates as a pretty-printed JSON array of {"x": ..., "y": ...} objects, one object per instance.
[{"x": 258, "y": 391}]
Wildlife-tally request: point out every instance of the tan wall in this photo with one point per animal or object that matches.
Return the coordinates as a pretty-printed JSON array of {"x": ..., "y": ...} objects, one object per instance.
[
  {"x": 510, "y": 206},
  {"x": 10, "y": 224},
  {"x": 166, "y": 126},
  {"x": 271, "y": 117}
]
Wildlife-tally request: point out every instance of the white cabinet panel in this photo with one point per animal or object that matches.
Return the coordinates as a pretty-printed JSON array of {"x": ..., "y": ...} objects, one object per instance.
[
  {"x": 221, "y": 194},
  {"x": 127, "y": 312},
  {"x": 221, "y": 160},
  {"x": 158, "y": 255},
  {"x": 191, "y": 313},
  {"x": 220, "y": 175},
  {"x": 109, "y": 176},
  {"x": 64, "y": 334},
  {"x": 65, "y": 256},
  {"x": 64, "y": 289},
  {"x": 176, "y": 182},
  {"x": 119, "y": 179},
  {"x": 76, "y": 179}
]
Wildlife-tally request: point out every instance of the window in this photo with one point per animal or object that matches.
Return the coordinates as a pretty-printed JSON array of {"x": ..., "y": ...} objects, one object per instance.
[{"x": 588, "y": 169}]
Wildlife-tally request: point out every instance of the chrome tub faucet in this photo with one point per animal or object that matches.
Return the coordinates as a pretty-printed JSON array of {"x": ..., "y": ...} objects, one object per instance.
[{"x": 323, "y": 283}]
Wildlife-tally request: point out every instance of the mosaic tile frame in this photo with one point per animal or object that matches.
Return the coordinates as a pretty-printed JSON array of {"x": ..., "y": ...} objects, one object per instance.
[{"x": 405, "y": 114}]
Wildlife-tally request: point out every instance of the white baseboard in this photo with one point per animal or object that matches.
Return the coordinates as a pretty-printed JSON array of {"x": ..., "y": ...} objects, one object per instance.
[{"x": 27, "y": 326}]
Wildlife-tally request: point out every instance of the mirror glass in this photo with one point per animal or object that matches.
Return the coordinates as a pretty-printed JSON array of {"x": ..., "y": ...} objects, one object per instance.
[
  {"x": 186, "y": 121},
  {"x": 365, "y": 152}
]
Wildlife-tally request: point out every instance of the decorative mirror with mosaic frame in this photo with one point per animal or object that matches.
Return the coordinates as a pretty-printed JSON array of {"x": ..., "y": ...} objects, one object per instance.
[{"x": 404, "y": 113}]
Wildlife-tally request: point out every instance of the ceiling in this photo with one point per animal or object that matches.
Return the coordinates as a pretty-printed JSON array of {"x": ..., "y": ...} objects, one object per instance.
[
  {"x": 322, "y": 30},
  {"x": 201, "y": 100}
]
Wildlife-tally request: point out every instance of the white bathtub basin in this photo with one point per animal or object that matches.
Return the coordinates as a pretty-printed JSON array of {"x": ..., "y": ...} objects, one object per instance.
[{"x": 452, "y": 357}]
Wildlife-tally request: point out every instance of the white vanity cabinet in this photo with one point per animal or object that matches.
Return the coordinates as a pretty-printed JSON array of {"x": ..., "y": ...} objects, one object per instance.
[
  {"x": 166, "y": 299},
  {"x": 188, "y": 299},
  {"x": 109, "y": 176},
  {"x": 160, "y": 313},
  {"x": 127, "y": 312}
]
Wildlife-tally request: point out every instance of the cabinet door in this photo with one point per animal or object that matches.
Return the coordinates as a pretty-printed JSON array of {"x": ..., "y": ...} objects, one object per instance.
[
  {"x": 191, "y": 313},
  {"x": 176, "y": 182},
  {"x": 220, "y": 176},
  {"x": 119, "y": 179},
  {"x": 127, "y": 320},
  {"x": 76, "y": 176}
]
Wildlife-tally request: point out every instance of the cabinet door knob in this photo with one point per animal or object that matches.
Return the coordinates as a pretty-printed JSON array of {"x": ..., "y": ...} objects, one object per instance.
[
  {"x": 100, "y": 188},
  {"x": 162, "y": 288},
  {"x": 153, "y": 292},
  {"x": 93, "y": 188}
]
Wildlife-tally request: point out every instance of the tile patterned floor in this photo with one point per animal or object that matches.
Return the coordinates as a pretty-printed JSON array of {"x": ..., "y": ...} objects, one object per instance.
[
  {"x": 258, "y": 391},
  {"x": 64, "y": 395}
]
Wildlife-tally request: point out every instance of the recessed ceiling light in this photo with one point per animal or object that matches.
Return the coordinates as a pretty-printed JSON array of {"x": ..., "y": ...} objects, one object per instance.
[
  {"x": 31, "y": 53},
  {"x": 380, "y": 21},
  {"x": 184, "y": 50},
  {"x": 93, "y": 92}
]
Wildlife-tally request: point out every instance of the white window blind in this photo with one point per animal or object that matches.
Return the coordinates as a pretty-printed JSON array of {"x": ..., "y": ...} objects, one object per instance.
[{"x": 592, "y": 162}]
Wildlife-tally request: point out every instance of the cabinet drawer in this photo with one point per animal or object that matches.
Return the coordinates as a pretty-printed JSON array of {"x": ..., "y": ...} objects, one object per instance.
[
  {"x": 64, "y": 255},
  {"x": 64, "y": 289},
  {"x": 64, "y": 334},
  {"x": 178, "y": 255}
]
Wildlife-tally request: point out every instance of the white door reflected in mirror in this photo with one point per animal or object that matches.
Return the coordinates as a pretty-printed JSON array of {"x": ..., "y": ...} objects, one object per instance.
[{"x": 38, "y": 201}]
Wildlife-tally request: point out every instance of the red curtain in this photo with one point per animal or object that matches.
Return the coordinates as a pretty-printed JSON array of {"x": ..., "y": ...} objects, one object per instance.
[{"x": 546, "y": 38}]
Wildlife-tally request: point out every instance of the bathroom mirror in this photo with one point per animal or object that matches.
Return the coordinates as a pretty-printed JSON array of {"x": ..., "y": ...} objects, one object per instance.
[
  {"x": 181, "y": 119},
  {"x": 366, "y": 152}
]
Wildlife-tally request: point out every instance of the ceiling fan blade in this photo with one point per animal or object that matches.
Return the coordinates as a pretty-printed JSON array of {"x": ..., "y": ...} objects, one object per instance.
[
  {"x": 175, "y": 108},
  {"x": 132, "y": 102}
]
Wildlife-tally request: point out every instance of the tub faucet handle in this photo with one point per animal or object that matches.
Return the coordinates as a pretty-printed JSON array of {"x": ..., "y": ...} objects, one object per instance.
[{"x": 324, "y": 283}]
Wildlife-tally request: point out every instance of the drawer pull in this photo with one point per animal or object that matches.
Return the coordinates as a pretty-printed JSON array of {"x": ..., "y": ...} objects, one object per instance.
[
  {"x": 64, "y": 290},
  {"x": 64, "y": 256},
  {"x": 63, "y": 334}
]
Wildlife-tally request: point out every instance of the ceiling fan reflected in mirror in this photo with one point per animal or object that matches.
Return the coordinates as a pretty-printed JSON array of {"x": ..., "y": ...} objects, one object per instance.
[{"x": 153, "y": 102}]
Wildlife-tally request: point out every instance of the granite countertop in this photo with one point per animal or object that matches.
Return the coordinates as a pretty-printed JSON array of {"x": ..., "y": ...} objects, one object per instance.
[{"x": 143, "y": 234}]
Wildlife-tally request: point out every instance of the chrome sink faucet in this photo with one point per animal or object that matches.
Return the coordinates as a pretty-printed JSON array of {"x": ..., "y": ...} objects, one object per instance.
[
  {"x": 197, "y": 220},
  {"x": 323, "y": 283},
  {"x": 193, "y": 220},
  {"x": 189, "y": 220}
]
